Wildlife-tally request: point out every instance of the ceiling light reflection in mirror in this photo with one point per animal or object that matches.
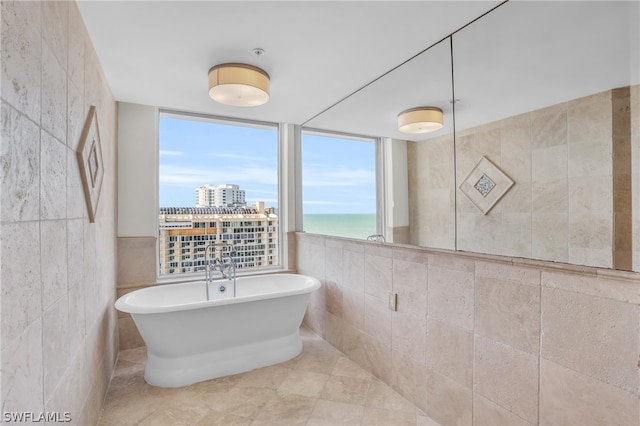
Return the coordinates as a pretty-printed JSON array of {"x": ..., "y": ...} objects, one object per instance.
[{"x": 374, "y": 109}]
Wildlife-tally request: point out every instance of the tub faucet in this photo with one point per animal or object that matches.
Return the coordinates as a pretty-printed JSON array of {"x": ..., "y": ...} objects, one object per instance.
[
  {"x": 224, "y": 263},
  {"x": 227, "y": 267}
]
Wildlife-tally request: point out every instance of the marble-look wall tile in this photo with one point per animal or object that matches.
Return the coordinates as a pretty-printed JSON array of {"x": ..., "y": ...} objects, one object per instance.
[
  {"x": 448, "y": 402},
  {"x": 55, "y": 29},
  {"x": 53, "y": 261},
  {"x": 353, "y": 270},
  {"x": 369, "y": 353},
  {"x": 410, "y": 283},
  {"x": 589, "y": 119},
  {"x": 551, "y": 196},
  {"x": 549, "y": 163},
  {"x": 507, "y": 376},
  {"x": 409, "y": 333},
  {"x": 587, "y": 158},
  {"x": 308, "y": 262},
  {"x": 333, "y": 298},
  {"x": 75, "y": 253},
  {"x": 515, "y": 147},
  {"x": 590, "y": 193},
  {"x": 483, "y": 368},
  {"x": 450, "y": 352},
  {"x": 128, "y": 334},
  {"x": 333, "y": 257},
  {"x": 487, "y": 413},
  {"x": 22, "y": 56},
  {"x": 408, "y": 378},
  {"x": 353, "y": 307},
  {"x": 76, "y": 204},
  {"x": 549, "y": 126},
  {"x": 508, "y": 312},
  {"x": 604, "y": 346},
  {"x": 53, "y": 165},
  {"x": 568, "y": 397},
  {"x": 518, "y": 199},
  {"x": 22, "y": 370},
  {"x": 57, "y": 270},
  {"x": 377, "y": 319},
  {"x": 55, "y": 344},
  {"x": 593, "y": 284},
  {"x": 20, "y": 163},
  {"x": 137, "y": 260},
  {"x": 77, "y": 330},
  {"x": 508, "y": 271},
  {"x": 76, "y": 50},
  {"x": 451, "y": 297},
  {"x": 21, "y": 287},
  {"x": 333, "y": 331},
  {"x": 377, "y": 274},
  {"x": 550, "y": 236},
  {"x": 54, "y": 94},
  {"x": 478, "y": 233},
  {"x": 634, "y": 109}
]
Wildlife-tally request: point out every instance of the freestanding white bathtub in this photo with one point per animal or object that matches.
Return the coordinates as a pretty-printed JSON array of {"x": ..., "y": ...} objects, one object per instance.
[{"x": 190, "y": 339}]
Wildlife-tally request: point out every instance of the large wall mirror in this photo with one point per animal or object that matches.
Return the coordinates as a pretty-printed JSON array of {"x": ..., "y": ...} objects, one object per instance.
[{"x": 539, "y": 156}]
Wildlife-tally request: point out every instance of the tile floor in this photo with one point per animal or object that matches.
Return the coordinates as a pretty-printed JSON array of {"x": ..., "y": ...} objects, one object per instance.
[{"x": 321, "y": 386}]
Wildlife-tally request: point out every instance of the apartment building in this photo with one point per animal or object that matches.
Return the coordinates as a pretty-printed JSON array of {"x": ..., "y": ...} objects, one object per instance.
[
  {"x": 185, "y": 233},
  {"x": 225, "y": 195}
]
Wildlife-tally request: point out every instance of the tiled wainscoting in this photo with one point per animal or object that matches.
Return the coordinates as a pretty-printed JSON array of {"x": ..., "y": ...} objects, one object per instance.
[{"x": 482, "y": 339}]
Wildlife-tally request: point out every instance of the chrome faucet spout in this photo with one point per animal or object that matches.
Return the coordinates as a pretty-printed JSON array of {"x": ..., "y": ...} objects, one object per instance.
[{"x": 224, "y": 263}]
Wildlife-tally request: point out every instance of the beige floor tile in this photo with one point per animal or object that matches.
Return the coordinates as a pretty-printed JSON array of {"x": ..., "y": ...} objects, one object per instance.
[
  {"x": 243, "y": 402},
  {"x": 378, "y": 417},
  {"x": 383, "y": 397},
  {"x": 268, "y": 377},
  {"x": 305, "y": 383},
  {"x": 425, "y": 421},
  {"x": 215, "y": 418},
  {"x": 347, "y": 368},
  {"x": 319, "y": 387},
  {"x": 286, "y": 409},
  {"x": 346, "y": 389},
  {"x": 335, "y": 413}
]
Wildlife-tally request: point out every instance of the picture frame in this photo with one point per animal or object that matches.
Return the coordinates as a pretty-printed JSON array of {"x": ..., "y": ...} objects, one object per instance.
[
  {"x": 89, "y": 154},
  {"x": 485, "y": 185}
]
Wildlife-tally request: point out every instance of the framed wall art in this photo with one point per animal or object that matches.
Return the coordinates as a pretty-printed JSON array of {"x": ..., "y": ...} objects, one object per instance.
[{"x": 89, "y": 155}]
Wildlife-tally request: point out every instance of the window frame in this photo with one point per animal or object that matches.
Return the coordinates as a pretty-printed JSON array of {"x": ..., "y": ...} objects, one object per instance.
[
  {"x": 216, "y": 119},
  {"x": 379, "y": 171}
]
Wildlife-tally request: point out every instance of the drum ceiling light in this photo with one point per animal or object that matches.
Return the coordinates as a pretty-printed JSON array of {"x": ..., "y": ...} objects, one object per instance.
[
  {"x": 239, "y": 85},
  {"x": 420, "y": 120}
]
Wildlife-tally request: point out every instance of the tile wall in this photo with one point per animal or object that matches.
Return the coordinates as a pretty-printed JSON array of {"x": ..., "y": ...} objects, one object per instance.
[
  {"x": 562, "y": 206},
  {"x": 634, "y": 118},
  {"x": 58, "y": 270},
  {"x": 480, "y": 339}
]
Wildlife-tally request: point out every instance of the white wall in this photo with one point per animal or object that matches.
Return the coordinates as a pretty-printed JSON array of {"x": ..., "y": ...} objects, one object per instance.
[{"x": 137, "y": 170}]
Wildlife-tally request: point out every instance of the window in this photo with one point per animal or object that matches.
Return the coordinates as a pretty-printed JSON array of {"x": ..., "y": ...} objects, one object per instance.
[
  {"x": 216, "y": 177},
  {"x": 339, "y": 185}
]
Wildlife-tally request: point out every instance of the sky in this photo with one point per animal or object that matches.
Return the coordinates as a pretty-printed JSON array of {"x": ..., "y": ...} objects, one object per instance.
[{"x": 338, "y": 174}]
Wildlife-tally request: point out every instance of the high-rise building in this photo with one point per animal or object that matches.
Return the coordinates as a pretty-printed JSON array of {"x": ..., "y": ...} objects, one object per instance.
[
  {"x": 225, "y": 195},
  {"x": 185, "y": 233}
]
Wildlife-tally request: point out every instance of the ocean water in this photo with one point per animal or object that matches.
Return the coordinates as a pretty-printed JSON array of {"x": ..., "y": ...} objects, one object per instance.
[{"x": 341, "y": 225}]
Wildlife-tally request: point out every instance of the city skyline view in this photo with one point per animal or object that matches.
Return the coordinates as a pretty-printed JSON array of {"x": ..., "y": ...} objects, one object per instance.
[{"x": 338, "y": 174}]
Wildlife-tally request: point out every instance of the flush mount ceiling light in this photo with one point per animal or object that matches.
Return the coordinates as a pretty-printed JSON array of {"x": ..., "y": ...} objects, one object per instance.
[
  {"x": 420, "y": 120},
  {"x": 238, "y": 85}
]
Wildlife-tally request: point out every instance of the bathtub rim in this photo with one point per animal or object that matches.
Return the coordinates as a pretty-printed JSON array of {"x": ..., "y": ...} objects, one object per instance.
[{"x": 122, "y": 304}]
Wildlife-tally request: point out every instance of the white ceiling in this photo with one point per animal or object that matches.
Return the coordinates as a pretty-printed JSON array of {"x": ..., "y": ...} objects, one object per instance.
[
  {"x": 522, "y": 56},
  {"x": 317, "y": 52}
]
